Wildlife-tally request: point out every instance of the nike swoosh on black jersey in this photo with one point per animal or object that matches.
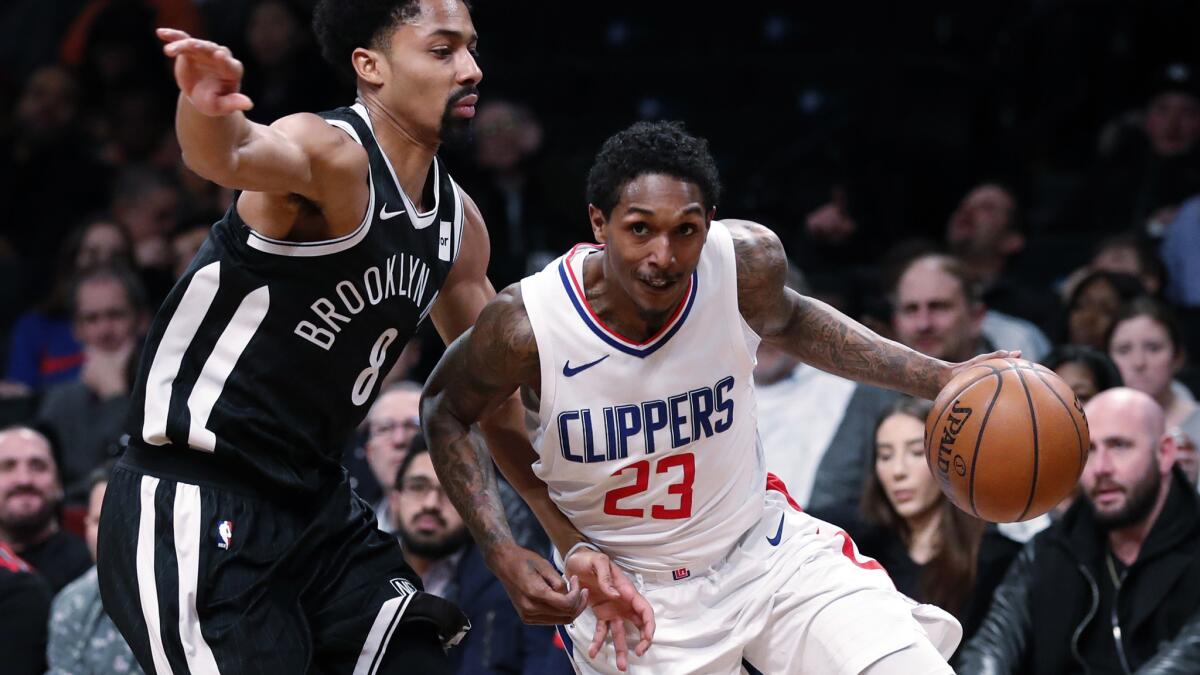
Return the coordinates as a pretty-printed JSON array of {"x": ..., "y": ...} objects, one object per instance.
[{"x": 572, "y": 372}]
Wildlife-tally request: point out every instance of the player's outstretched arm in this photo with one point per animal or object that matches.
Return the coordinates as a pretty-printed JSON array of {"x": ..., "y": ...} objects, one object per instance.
[
  {"x": 819, "y": 334},
  {"x": 220, "y": 144}
]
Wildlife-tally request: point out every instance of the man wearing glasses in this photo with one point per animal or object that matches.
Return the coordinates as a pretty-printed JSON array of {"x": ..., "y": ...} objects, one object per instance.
[{"x": 392, "y": 425}]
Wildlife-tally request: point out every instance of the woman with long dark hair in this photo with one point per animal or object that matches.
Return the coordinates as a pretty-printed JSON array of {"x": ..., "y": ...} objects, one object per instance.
[{"x": 934, "y": 552}]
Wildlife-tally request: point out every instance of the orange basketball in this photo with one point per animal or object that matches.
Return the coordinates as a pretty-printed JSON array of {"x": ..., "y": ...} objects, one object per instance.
[{"x": 1006, "y": 440}]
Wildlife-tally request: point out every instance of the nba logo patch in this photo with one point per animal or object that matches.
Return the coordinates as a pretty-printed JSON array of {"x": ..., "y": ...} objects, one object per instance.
[
  {"x": 681, "y": 574},
  {"x": 403, "y": 586},
  {"x": 224, "y": 533}
]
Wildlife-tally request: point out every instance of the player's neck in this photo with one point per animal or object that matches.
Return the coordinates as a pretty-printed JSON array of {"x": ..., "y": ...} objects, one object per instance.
[
  {"x": 613, "y": 304},
  {"x": 410, "y": 156},
  {"x": 1126, "y": 542}
]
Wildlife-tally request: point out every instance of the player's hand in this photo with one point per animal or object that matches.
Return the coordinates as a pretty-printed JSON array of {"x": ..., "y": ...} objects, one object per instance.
[
  {"x": 537, "y": 591},
  {"x": 957, "y": 368},
  {"x": 206, "y": 72},
  {"x": 615, "y": 600}
]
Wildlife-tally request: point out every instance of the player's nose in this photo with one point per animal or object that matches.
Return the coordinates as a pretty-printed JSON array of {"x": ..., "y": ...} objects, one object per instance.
[{"x": 469, "y": 72}]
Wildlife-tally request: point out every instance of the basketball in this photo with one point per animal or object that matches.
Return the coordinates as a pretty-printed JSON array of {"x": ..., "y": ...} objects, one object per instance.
[{"x": 1006, "y": 440}]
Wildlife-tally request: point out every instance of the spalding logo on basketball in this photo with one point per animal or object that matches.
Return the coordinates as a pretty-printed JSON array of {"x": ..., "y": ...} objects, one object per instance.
[{"x": 1006, "y": 440}]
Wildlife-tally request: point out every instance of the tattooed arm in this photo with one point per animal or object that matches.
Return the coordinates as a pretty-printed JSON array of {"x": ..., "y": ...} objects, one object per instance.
[{"x": 818, "y": 334}]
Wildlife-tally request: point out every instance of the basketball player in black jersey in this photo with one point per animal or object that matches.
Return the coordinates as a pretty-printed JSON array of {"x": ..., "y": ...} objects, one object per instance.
[{"x": 231, "y": 541}]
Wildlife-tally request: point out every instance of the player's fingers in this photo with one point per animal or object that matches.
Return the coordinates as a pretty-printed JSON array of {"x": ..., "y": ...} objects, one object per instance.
[
  {"x": 234, "y": 102},
  {"x": 597, "y": 638},
  {"x": 647, "y": 615},
  {"x": 617, "y": 628},
  {"x": 171, "y": 34},
  {"x": 552, "y": 578}
]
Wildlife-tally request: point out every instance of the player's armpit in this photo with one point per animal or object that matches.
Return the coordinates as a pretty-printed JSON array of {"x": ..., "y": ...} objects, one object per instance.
[{"x": 816, "y": 333}]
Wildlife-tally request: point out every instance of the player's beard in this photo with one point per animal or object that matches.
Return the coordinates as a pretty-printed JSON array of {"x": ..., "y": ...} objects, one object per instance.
[
  {"x": 457, "y": 131},
  {"x": 1139, "y": 502},
  {"x": 434, "y": 548}
]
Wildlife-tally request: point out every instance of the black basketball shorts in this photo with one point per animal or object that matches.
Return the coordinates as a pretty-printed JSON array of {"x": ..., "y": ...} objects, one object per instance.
[{"x": 201, "y": 579}]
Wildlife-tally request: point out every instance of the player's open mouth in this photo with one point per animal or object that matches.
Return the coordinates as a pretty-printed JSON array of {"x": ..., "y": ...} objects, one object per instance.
[{"x": 659, "y": 285}]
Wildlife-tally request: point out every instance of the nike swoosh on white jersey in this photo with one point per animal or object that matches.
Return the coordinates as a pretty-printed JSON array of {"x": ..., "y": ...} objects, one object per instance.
[{"x": 384, "y": 214}]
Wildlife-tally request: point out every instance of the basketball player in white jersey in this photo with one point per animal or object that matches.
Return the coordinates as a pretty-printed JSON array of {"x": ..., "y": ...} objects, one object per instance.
[{"x": 639, "y": 354}]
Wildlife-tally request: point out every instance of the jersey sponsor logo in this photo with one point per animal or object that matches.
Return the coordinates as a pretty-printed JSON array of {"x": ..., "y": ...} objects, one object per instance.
[
  {"x": 384, "y": 214},
  {"x": 444, "y": 241},
  {"x": 774, "y": 541},
  {"x": 401, "y": 276},
  {"x": 568, "y": 371},
  {"x": 675, "y": 422}
]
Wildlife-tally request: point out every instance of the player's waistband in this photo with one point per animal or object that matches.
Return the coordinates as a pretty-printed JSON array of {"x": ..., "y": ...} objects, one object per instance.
[{"x": 188, "y": 465}]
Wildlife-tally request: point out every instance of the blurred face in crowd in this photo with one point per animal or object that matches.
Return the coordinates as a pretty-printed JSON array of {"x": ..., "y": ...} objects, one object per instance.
[
  {"x": 427, "y": 74},
  {"x": 105, "y": 319},
  {"x": 1127, "y": 459},
  {"x": 151, "y": 214},
  {"x": 92, "y": 520},
  {"x": 102, "y": 243},
  {"x": 273, "y": 33},
  {"x": 1091, "y": 315},
  {"x": 1124, "y": 259},
  {"x": 29, "y": 487},
  {"x": 901, "y": 468},
  {"x": 391, "y": 426},
  {"x": 981, "y": 226},
  {"x": 48, "y": 104},
  {"x": 427, "y": 522},
  {"x": 184, "y": 247},
  {"x": 504, "y": 135},
  {"x": 932, "y": 313},
  {"x": 1185, "y": 455},
  {"x": 773, "y": 364},
  {"x": 1079, "y": 378},
  {"x": 1173, "y": 123},
  {"x": 1144, "y": 353}
]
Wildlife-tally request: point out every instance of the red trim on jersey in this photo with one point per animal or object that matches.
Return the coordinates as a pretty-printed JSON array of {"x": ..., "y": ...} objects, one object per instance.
[
  {"x": 595, "y": 317},
  {"x": 773, "y": 483},
  {"x": 848, "y": 551}
]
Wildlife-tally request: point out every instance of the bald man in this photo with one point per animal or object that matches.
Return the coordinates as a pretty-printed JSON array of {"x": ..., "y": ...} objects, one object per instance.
[{"x": 1115, "y": 580}]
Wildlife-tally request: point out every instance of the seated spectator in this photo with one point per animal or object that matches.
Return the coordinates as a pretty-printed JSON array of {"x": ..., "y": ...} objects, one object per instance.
[
  {"x": 24, "y": 610},
  {"x": 44, "y": 350},
  {"x": 934, "y": 552},
  {"x": 439, "y": 548},
  {"x": 1087, "y": 371},
  {"x": 1113, "y": 581},
  {"x": 1179, "y": 247},
  {"x": 392, "y": 424},
  {"x": 1124, "y": 253},
  {"x": 1147, "y": 345},
  {"x": 808, "y": 423},
  {"x": 30, "y": 494},
  {"x": 82, "y": 637},
  {"x": 87, "y": 415},
  {"x": 986, "y": 231},
  {"x": 1096, "y": 300}
]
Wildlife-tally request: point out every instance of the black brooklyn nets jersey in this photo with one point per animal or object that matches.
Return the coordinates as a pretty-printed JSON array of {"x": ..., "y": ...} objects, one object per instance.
[{"x": 268, "y": 353}]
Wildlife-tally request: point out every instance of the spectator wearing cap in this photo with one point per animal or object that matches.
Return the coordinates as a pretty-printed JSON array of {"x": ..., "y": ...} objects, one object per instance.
[{"x": 1151, "y": 166}]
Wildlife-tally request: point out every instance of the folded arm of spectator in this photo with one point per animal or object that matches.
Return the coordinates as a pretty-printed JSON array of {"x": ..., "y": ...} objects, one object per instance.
[
  {"x": 1179, "y": 656},
  {"x": 998, "y": 647}
]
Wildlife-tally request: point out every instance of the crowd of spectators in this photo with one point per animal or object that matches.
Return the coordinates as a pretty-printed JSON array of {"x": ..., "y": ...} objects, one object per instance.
[{"x": 961, "y": 179}]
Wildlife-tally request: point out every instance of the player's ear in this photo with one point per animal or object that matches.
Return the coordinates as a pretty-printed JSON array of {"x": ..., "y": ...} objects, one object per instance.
[
  {"x": 596, "y": 216},
  {"x": 710, "y": 216},
  {"x": 368, "y": 65}
]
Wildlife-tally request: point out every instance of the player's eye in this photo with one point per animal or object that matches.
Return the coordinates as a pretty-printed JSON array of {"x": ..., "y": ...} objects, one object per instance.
[
  {"x": 639, "y": 228},
  {"x": 441, "y": 52}
]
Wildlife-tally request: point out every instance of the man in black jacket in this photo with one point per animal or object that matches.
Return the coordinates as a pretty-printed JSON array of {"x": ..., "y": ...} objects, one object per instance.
[{"x": 1115, "y": 580}]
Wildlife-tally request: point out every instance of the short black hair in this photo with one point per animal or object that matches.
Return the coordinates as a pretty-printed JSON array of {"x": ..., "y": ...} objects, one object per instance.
[
  {"x": 342, "y": 26},
  {"x": 649, "y": 148},
  {"x": 1104, "y": 371},
  {"x": 418, "y": 447}
]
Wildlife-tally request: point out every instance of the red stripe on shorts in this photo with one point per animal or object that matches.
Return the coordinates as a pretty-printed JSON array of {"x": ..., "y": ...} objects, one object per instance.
[{"x": 773, "y": 483}]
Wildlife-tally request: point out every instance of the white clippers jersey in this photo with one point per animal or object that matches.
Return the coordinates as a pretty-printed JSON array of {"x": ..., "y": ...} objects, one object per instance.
[{"x": 650, "y": 448}]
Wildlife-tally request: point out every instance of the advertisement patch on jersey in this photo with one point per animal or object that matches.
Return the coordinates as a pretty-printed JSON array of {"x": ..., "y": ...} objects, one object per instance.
[{"x": 444, "y": 241}]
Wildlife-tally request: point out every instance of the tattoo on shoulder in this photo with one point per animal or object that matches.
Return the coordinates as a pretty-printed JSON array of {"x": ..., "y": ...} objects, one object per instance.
[
  {"x": 761, "y": 271},
  {"x": 505, "y": 339}
]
